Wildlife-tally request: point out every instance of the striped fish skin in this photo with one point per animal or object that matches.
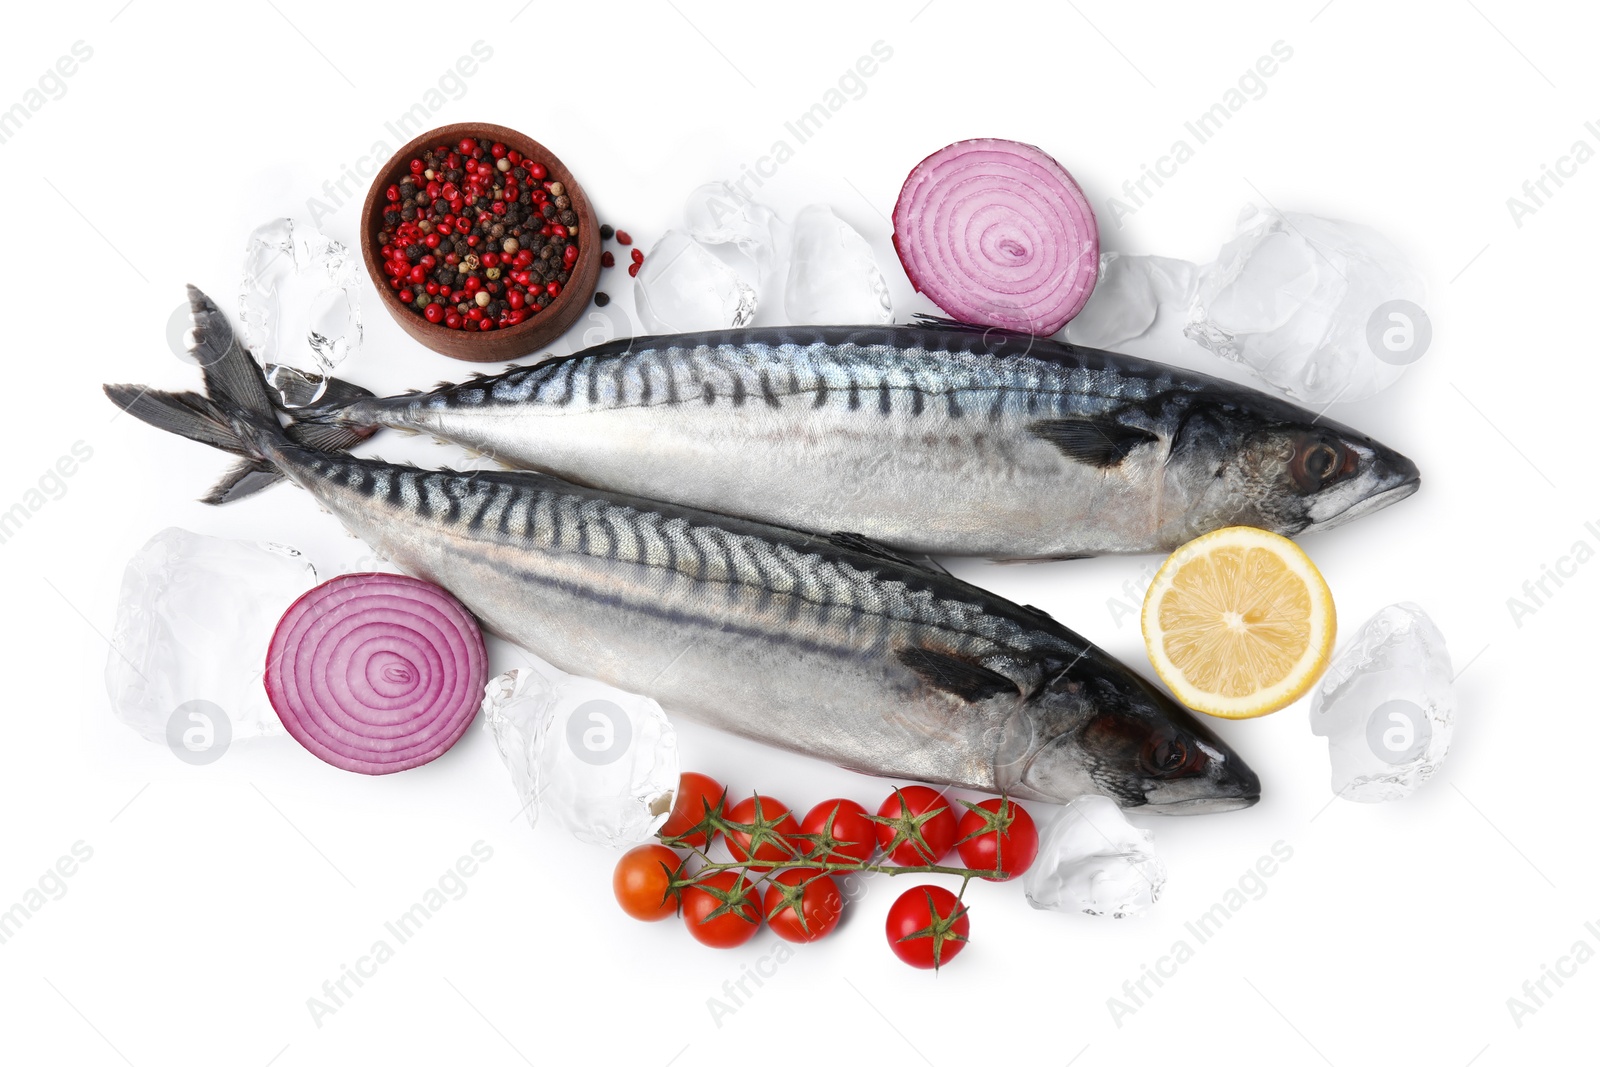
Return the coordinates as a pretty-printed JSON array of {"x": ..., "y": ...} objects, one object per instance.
[
  {"x": 786, "y": 638},
  {"x": 933, "y": 440}
]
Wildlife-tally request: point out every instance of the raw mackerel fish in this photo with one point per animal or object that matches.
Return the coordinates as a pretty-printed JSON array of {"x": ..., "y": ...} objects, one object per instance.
[
  {"x": 830, "y": 646},
  {"x": 933, "y": 438}
]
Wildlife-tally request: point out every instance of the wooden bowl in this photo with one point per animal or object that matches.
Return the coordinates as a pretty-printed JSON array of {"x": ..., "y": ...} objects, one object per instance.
[{"x": 512, "y": 342}]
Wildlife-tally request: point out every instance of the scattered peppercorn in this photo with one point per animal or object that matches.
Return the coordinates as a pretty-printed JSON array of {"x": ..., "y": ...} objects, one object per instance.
[
  {"x": 601, "y": 300},
  {"x": 633, "y": 270},
  {"x": 607, "y": 259},
  {"x": 638, "y": 256},
  {"x": 606, "y": 231},
  {"x": 623, "y": 238}
]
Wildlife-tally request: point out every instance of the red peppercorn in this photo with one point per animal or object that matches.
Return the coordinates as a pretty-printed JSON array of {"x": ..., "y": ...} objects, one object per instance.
[
  {"x": 406, "y": 296},
  {"x": 393, "y": 192},
  {"x": 433, "y": 312},
  {"x": 466, "y": 146},
  {"x": 633, "y": 270},
  {"x": 452, "y": 319},
  {"x": 537, "y": 171},
  {"x": 524, "y": 257},
  {"x": 623, "y": 238},
  {"x": 554, "y": 288},
  {"x": 515, "y": 299},
  {"x": 638, "y": 256},
  {"x": 607, "y": 259},
  {"x": 570, "y": 254},
  {"x": 497, "y": 150},
  {"x": 416, "y": 166},
  {"x": 514, "y": 156}
]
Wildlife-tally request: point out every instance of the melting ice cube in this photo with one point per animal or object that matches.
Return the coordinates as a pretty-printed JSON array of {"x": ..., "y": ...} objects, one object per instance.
[
  {"x": 600, "y": 762},
  {"x": 1322, "y": 309},
  {"x": 833, "y": 277},
  {"x": 1387, "y": 706},
  {"x": 1092, "y": 860},
  {"x": 682, "y": 288},
  {"x": 194, "y": 619},
  {"x": 1131, "y": 293},
  {"x": 717, "y": 213},
  {"x": 297, "y": 301}
]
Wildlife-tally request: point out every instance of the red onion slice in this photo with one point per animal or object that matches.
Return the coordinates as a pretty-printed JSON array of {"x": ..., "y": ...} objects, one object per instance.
[
  {"x": 376, "y": 673},
  {"x": 998, "y": 234}
]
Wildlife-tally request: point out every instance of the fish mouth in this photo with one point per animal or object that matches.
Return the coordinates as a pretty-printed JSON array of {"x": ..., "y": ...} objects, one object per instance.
[
  {"x": 1391, "y": 479},
  {"x": 1200, "y": 805}
]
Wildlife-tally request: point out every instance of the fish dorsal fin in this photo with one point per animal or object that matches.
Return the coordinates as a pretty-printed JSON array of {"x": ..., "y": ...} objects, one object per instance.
[
  {"x": 966, "y": 678},
  {"x": 868, "y": 547},
  {"x": 939, "y": 322},
  {"x": 1097, "y": 442}
]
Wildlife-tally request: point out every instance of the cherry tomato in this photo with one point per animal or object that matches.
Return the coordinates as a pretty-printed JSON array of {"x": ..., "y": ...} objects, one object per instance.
[
  {"x": 997, "y": 836},
  {"x": 771, "y": 837},
  {"x": 642, "y": 882},
  {"x": 912, "y": 812},
  {"x": 721, "y": 911},
  {"x": 927, "y": 926},
  {"x": 802, "y": 904},
  {"x": 698, "y": 795},
  {"x": 851, "y": 836}
]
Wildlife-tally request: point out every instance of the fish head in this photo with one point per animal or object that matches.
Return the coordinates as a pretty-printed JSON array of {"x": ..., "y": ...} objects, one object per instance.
[
  {"x": 1276, "y": 466},
  {"x": 1105, "y": 730}
]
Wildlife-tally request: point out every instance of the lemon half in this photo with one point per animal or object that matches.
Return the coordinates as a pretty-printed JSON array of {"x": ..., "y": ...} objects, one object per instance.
[{"x": 1238, "y": 623}]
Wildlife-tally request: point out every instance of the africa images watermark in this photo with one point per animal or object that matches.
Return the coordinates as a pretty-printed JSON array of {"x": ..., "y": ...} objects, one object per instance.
[
  {"x": 1537, "y": 992},
  {"x": 1538, "y": 191},
  {"x": 51, "y": 85},
  {"x": 1252, "y": 885},
  {"x": 51, "y": 885},
  {"x": 451, "y": 885},
  {"x": 350, "y": 185},
  {"x": 1251, "y": 85},
  {"x": 850, "y": 85},
  {"x": 1537, "y": 591},
  {"x": 51, "y": 485}
]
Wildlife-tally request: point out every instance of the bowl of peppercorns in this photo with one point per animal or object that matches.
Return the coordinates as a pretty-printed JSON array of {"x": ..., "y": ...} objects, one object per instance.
[{"x": 480, "y": 242}]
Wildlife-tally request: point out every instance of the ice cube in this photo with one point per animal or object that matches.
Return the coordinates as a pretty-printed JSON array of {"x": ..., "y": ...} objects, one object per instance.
[
  {"x": 717, "y": 213},
  {"x": 682, "y": 288},
  {"x": 1092, "y": 860},
  {"x": 600, "y": 762},
  {"x": 193, "y": 622},
  {"x": 1323, "y": 310},
  {"x": 1131, "y": 293},
  {"x": 297, "y": 301},
  {"x": 1387, "y": 706},
  {"x": 833, "y": 277}
]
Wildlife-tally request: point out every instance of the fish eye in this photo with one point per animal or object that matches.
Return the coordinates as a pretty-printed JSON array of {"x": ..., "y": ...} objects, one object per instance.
[
  {"x": 1316, "y": 463},
  {"x": 1166, "y": 756}
]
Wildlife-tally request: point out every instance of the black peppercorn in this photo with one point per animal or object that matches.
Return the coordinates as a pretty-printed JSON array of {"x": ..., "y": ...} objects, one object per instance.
[
  {"x": 601, "y": 300},
  {"x": 606, "y": 231},
  {"x": 569, "y": 217}
]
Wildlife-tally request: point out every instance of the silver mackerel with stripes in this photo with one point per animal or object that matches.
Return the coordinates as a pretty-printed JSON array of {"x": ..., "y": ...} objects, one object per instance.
[
  {"x": 931, "y": 438},
  {"x": 828, "y": 646}
]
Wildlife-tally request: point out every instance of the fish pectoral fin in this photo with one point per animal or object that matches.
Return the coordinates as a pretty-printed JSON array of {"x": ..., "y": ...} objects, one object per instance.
[
  {"x": 1097, "y": 442},
  {"x": 964, "y": 677},
  {"x": 867, "y": 546}
]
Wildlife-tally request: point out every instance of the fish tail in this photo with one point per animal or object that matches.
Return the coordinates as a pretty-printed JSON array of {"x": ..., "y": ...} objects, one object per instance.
[
  {"x": 235, "y": 414},
  {"x": 331, "y": 410}
]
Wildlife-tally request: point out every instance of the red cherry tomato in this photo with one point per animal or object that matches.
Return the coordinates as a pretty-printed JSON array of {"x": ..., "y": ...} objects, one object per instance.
[
  {"x": 770, "y": 837},
  {"x": 698, "y": 795},
  {"x": 927, "y": 926},
  {"x": 721, "y": 911},
  {"x": 642, "y": 882},
  {"x": 851, "y": 837},
  {"x": 997, "y": 836},
  {"x": 912, "y": 812},
  {"x": 802, "y": 904}
]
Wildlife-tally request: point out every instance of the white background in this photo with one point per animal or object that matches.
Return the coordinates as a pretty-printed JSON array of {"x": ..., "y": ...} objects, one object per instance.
[{"x": 219, "y": 898}]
